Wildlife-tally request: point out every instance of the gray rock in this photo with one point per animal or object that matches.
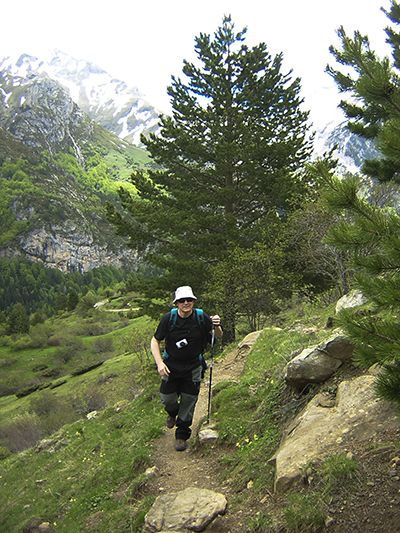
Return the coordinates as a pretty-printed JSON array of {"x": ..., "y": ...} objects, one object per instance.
[
  {"x": 317, "y": 363},
  {"x": 191, "y": 509},
  {"x": 207, "y": 433},
  {"x": 354, "y": 298},
  {"x": 319, "y": 431}
]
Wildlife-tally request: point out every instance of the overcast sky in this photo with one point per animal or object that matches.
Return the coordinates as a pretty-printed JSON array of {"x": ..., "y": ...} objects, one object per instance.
[{"x": 144, "y": 43}]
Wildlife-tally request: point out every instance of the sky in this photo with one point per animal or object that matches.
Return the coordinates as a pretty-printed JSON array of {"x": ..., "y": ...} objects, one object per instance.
[{"x": 145, "y": 42}]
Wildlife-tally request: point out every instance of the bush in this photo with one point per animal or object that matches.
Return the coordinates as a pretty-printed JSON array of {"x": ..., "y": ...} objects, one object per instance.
[
  {"x": 7, "y": 388},
  {"x": 20, "y": 343},
  {"x": 54, "y": 341},
  {"x": 70, "y": 348},
  {"x": 27, "y": 390},
  {"x": 338, "y": 468},
  {"x": 88, "y": 400},
  {"x": 44, "y": 403},
  {"x": 92, "y": 329},
  {"x": 40, "y": 335},
  {"x": 21, "y": 433},
  {"x": 103, "y": 345}
]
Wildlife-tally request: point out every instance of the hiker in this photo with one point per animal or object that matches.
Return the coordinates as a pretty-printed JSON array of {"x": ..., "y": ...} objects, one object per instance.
[{"x": 186, "y": 332}]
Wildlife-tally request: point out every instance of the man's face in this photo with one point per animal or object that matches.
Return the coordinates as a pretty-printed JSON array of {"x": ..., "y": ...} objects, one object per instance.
[{"x": 185, "y": 305}]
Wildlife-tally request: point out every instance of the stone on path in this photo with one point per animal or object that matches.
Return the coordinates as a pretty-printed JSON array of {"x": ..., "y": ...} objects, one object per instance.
[
  {"x": 208, "y": 433},
  {"x": 191, "y": 509}
]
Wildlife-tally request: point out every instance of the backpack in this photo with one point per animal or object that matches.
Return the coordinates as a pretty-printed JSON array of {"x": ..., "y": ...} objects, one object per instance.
[{"x": 201, "y": 322}]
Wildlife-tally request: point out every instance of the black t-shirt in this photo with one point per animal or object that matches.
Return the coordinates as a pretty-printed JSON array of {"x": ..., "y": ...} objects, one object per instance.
[{"x": 186, "y": 334}]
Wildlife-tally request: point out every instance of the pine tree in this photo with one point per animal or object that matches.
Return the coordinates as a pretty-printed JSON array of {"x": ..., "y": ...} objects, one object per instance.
[
  {"x": 374, "y": 109},
  {"x": 228, "y": 156},
  {"x": 17, "y": 320},
  {"x": 373, "y": 236},
  {"x": 73, "y": 300}
]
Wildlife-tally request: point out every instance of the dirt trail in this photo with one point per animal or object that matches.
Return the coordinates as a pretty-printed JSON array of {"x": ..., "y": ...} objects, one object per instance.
[
  {"x": 373, "y": 507},
  {"x": 194, "y": 468}
]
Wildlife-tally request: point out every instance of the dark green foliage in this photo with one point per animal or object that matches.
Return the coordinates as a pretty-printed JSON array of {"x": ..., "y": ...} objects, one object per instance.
[
  {"x": 18, "y": 320},
  {"x": 70, "y": 348},
  {"x": 388, "y": 382},
  {"x": 27, "y": 391},
  {"x": 84, "y": 369},
  {"x": 374, "y": 111},
  {"x": 39, "y": 317},
  {"x": 229, "y": 156},
  {"x": 73, "y": 300},
  {"x": 37, "y": 287},
  {"x": 371, "y": 231},
  {"x": 61, "y": 302},
  {"x": 251, "y": 283}
]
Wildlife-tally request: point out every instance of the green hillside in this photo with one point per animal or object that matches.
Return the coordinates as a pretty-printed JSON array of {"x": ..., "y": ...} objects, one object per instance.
[{"x": 95, "y": 465}]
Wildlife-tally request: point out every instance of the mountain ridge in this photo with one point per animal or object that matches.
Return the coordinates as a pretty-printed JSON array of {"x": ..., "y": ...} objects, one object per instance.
[{"x": 110, "y": 102}]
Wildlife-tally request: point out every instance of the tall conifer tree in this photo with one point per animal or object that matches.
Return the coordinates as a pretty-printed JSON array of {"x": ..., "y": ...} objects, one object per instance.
[
  {"x": 229, "y": 155},
  {"x": 373, "y": 237}
]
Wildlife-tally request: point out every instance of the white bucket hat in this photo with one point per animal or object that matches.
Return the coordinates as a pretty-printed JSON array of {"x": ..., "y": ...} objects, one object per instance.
[{"x": 184, "y": 292}]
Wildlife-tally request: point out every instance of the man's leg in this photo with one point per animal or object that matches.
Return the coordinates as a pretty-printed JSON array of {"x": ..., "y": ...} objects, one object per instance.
[
  {"x": 169, "y": 394},
  {"x": 190, "y": 388}
]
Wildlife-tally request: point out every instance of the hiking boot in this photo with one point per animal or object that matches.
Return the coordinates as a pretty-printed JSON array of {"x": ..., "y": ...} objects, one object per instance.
[
  {"x": 171, "y": 421},
  {"x": 180, "y": 445}
]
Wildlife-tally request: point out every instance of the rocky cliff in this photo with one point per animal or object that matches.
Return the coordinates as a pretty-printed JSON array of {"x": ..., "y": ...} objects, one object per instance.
[{"x": 61, "y": 214}]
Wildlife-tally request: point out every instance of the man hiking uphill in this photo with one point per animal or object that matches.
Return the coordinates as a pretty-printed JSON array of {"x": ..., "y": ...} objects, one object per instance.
[{"x": 186, "y": 331}]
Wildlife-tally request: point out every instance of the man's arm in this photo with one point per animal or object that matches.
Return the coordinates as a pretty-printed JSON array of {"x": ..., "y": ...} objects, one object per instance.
[{"x": 162, "y": 368}]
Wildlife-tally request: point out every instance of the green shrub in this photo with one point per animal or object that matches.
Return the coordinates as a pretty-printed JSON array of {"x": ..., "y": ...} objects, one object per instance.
[
  {"x": 21, "y": 433},
  {"x": 89, "y": 399},
  {"x": 103, "y": 345},
  {"x": 338, "y": 468},
  {"x": 54, "y": 340},
  {"x": 27, "y": 390},
  {"x": 20, "y": 343},
  {"x": 70, "y": 348},
  {"x": 44, "y": 403}
]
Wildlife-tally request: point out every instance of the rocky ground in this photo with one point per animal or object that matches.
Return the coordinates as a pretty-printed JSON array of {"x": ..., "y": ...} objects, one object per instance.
[
  {"x": 373, "y": 502},
  {"x": 370, "y": 503}
]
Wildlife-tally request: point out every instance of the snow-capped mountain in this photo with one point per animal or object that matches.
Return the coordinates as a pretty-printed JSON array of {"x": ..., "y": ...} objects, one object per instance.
[
  {"x": 349, "y": 149},
  {"x": 108, "y": 101}
]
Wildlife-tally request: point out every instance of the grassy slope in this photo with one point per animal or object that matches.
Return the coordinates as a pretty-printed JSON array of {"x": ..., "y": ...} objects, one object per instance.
[{"x": 95, "y": 468}]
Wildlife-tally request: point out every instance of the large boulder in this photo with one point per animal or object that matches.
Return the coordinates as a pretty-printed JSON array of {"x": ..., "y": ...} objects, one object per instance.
[
  {"x": 320, "y": 430},
  {"x": 317, "y": 363},
  {"x": 191, "y": 509}
]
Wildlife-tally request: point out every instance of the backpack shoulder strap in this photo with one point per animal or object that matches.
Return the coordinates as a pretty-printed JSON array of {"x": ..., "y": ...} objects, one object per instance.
[
  {"x": 174, "y": 315},
  {"x": 200, "y": 317},
  {"x": 172, "y": 319}
]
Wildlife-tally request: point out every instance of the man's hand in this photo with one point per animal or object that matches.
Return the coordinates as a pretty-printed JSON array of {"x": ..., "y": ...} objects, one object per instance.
[
  {"x": 217, "y": 324},
  {"x": 216, "y": 320},
  {"x": 163, "y": 370}
]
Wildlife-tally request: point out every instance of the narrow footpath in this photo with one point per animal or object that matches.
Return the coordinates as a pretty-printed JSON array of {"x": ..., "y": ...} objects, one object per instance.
[{"x": 198, "y": 466}]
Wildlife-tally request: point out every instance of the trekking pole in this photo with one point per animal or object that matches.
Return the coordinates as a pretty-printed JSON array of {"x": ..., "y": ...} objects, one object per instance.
[{"x": 211, "y": 368}]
